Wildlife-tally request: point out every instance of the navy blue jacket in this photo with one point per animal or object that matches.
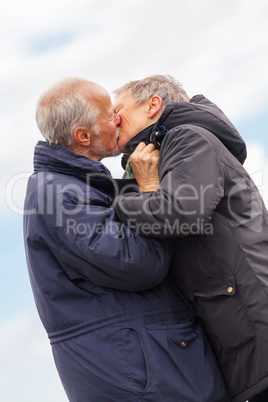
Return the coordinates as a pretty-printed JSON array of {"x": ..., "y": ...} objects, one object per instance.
[{"x": 112, "y": 338}]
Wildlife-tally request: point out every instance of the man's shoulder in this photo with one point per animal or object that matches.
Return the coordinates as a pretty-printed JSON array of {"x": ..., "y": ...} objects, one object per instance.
[{"x": 49, "y": 184}]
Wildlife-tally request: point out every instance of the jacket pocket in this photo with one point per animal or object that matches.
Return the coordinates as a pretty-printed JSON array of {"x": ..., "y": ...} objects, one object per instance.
[
  {"x": 133, "y": 360},
  {"x": 171, "y": 338},
  {"x": 182, "y": 363},
  {"x": 224, "y": 317},
  {"x": 172, "y": 341},
  {"x": 146, "y": 349}
]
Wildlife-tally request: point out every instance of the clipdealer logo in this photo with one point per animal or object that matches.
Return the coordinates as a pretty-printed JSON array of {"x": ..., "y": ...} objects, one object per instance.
[
  {"x": 186, "y": 202},
  {"x": 172, "y": 228}
]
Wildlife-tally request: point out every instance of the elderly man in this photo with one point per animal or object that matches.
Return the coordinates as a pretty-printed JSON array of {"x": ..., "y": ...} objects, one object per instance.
[
  {"x": 208, "y": 201},
  {"x": 119, "y": 330}
]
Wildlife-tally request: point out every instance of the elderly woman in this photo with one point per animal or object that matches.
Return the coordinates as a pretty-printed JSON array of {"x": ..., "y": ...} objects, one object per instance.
[{"x": 209, "y": 203}]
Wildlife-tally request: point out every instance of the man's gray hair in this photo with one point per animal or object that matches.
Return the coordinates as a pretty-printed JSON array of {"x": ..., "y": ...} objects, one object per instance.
[
  {"x": 61, "y": 109},
  {"x": 165, "y": 86}
]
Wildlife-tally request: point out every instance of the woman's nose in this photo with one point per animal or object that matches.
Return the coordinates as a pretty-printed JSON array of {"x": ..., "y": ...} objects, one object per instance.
[{"x": 117, "y": 119}]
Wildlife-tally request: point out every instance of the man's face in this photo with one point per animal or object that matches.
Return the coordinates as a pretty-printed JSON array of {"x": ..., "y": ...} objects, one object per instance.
[
  {"x": 134, "y": 117},
  {"x": 104, "y": 143}
]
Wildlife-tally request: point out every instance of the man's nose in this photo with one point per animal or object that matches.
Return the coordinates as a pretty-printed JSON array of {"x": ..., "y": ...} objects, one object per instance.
[{"x": 117, "y": 119}]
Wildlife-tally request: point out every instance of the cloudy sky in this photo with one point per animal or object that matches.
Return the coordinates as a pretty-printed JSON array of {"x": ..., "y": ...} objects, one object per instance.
[{"x": 218, "y": 48}]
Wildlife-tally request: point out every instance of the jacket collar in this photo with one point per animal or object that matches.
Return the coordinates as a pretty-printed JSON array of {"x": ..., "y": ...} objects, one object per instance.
[
  {"x": 153, "y": 133},
  {"x": 63, "y": 160},
  {"x": 142, "y": 136},
  {"x": 59, "y": 159}
]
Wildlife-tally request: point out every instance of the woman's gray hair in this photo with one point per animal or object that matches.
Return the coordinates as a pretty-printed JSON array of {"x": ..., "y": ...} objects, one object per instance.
[
  {"x": 61, "y": 109},
  {"x": 165, "y": 86}
]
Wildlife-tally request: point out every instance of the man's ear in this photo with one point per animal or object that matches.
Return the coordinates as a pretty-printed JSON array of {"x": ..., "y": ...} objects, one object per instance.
[
  {"x": 82, "y": 136},
  {"x": 155, "y": 106}
]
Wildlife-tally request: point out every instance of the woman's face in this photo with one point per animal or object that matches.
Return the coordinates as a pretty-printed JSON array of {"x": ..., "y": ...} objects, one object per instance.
[{"x": 134, "y": 118}]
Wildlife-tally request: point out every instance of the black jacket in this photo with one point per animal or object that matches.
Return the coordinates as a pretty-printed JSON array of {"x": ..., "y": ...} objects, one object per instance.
[{"x": 208, "y": 201}]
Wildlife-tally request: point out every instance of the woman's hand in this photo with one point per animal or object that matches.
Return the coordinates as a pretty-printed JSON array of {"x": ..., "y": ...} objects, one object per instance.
[{"x": 144, "y": 161}]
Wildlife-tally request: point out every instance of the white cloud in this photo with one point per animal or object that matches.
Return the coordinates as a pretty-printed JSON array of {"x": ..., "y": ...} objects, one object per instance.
[
  {"x": 257, "y": 166},
  {"x": 27, "y": 371}
]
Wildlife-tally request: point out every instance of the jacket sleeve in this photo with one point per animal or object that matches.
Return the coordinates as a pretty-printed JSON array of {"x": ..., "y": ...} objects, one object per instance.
[
  {"x": 191, "y": 186},
  {"x": 95, "y": 246}
]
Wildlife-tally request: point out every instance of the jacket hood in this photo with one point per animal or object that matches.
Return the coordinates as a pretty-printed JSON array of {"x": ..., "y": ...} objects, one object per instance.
[{"x": 200, "y": 112}]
